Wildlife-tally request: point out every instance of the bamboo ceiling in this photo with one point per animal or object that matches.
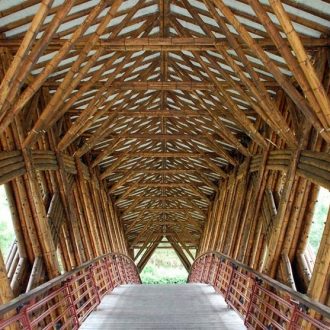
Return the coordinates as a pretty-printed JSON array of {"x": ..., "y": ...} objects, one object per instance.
[{"x": 164, "y": 96}]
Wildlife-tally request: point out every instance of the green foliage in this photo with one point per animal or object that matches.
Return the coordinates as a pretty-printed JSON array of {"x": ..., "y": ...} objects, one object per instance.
[
  {"x": 7, "y": 235},
  {"x": 164, "y": 267},
  {"x": 319, "y": 219}
]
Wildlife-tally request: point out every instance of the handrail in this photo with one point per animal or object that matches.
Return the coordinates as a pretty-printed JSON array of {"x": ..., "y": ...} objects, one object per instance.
[
  {"x": 244, "y": 288},
  {"x": 84, "y": 285},
  {"x": 23, "y": 298}
]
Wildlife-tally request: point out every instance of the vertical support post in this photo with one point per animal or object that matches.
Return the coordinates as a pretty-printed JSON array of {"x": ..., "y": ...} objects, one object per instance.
[
  {"x": 26, "y": 320},
  {"x": 123, "y": 270},
  {"x": 232, "y": 274},
  {"x": 95, "y": 288},
  {"x": 209, "y": 269},
  {"x": 217, "y": 272},
  {"x": 71, "y": 304},
  {"x": 202, "y": 271},
  {"x": 107, "y": 267},
  {"x": 117, "y": 269},
  {"x": 254, "y": 286},
  {"x": 293, "y": 319}
]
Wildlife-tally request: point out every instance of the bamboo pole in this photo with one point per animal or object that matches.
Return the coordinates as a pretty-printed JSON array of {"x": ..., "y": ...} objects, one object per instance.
[
  {"x": 287, "y": 86},
  {"x": 286, "y": 52},
  {"x": 30, "y": 59},
  {"x": 46, "y": 240},
  {"x": 304, "y": 62},
  {"x": 5, "y": 289},
  {"x": 67, "y": 85},
  {"x": 90, "y": 218},
  {"x": 51, "y": 65},
  {"x": 8, "y": 82}
]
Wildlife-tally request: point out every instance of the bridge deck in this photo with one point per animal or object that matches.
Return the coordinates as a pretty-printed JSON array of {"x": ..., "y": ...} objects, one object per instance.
[{"x": 186, "y": 306}]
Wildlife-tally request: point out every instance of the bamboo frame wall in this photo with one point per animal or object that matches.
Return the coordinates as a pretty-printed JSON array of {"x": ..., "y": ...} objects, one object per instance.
[
  {"x": 264, "y": 210},
  {"x": 61, "y": 213}
]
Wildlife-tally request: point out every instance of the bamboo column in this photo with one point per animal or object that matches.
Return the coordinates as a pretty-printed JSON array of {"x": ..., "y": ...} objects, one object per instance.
[
  {"x": 90, "y": 217},
  {"x": 46, "y": 239},
  {"x": 5, "y": 289},
  {"x": 17, "y": 281}
]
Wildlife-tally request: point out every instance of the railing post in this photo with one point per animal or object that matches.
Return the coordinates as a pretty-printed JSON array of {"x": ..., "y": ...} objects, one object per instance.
[
  {"x": 202, "y": 271},
  {"x": 107, "y": 267},
  {"x": 230, "y": 282},
  {"x": 217, "y": 272},
  {"x": 293, "y": 317},
  {"x": 253, "y": 290},
  {"x": 121, "y": 270},
  {"x": 206, "y": 268},
  {"x": 118, "y": 269},
  {"x": 209, "y": 269},
  {"x": 71, "y": 304},
  {"x": 25, "y": 320},
  {"x": 96, "y": 290},
  {"x": 124, "y": 270}
]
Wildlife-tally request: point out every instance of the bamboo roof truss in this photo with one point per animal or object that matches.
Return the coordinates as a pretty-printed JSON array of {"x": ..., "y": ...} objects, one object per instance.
[{"x": 164, "y": 97}]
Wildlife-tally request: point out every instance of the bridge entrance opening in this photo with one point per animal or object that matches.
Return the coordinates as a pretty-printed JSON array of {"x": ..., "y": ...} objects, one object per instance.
[
  {"x": 164, "y": 262},
  {"x": 164, "y": 267}
]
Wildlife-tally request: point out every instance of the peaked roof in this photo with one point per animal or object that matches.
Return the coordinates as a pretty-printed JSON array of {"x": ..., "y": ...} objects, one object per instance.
[{"x": 164, "y": 96}]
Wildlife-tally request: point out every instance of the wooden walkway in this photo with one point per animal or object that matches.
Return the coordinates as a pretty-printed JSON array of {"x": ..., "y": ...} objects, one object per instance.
[{"x": 186, "y": 306}]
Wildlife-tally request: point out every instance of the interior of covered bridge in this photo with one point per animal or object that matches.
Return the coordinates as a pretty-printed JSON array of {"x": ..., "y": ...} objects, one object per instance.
[{"x": 201, "y": 126}]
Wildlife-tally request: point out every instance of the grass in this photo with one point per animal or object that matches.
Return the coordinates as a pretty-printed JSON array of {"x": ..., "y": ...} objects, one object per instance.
[
  {"x": 164, "y": 267},
  {"x": 7, "y": 235},
  {"x": 319, "y": 219}
]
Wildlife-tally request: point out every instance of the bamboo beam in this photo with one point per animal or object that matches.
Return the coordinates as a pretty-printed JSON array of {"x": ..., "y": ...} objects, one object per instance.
[
  {"x": 37, "y": 82},
  {"x": 170, "y": 210},
  {"x": 125, "y": 156},
  {"x": 158, "y": 85},
  {"x": 103, "y": 129},
  {"x": 101, "y": 95},
  {"x": 286, "y": 52},
  {"x": 93, "y": 106},
  {"x": 287, "y": 86},
  {"x": 134, "y": 207},
  {"x": 174, "y": 185},
  {"x": 50, "y": 113},
  {"x": 236, "y": 112},
  {"x": 256, "y": 86},
  {"x": 138, "y": 238},
  {"x": 304, "y": 62},
  {"x": 182, "y": 243},
  {"x": 180, "y": 253},
  {"x": 9, "y": 83},
  {"x": 149, "y": 240},
  {"x": 165, "y": 113},
  {"x": 147, "y": 255},
  {"x": 53, "y": 84},
  {"x": 161, "y": 44},
  {"x": 168, "y": 137}
]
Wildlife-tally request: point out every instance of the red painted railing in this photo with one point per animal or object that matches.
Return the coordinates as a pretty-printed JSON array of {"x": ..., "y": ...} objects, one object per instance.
[
  {"x": 66, "y": 301},
  {"x": 262, "y": 302}
]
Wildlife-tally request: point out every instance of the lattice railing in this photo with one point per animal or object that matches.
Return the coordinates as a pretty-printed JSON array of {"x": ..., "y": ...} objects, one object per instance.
[
  {"x": 262, "y": 302},
  {"x": 66, "y": 301}
]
